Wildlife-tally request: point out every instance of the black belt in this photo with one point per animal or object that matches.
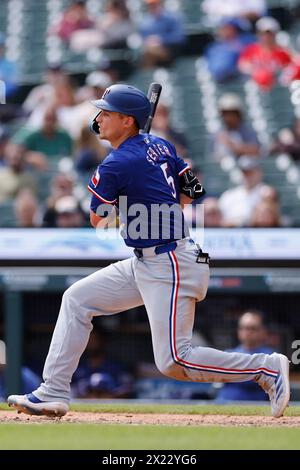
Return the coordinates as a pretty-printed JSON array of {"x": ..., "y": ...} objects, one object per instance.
[{"x": 158, "y": 250}]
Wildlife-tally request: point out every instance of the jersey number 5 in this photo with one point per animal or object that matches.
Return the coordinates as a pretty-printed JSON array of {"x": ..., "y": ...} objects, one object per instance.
[{"x": 170, "y": 179}]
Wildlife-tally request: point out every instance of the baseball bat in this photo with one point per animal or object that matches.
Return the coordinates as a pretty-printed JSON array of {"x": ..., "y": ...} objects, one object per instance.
[{"x": 153, "y": 94}]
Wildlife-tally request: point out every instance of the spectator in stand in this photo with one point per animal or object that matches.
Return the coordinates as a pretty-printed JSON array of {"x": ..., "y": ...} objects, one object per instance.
[
  {"x": 14, "y": 176},
  {"x": 8, "y": 71},
  {"x": 40, "y": 95},
  {"x": 162, "y": 33},
  {"x": 49, "y": 140},
  {"x": 216, "y": 10},
  {"x": 95, "y": 85},
  {"x": 266, "y": 215},
  {"x": 205, "y": 213},
  {"x": 98, "y": 376},
  {"x": 213, "y": 217},
  {"x": 64, "y": 100},
  {"x": 222, "y": 55},
  {"x": 90, "y": 151},
  {"x": 161, "y": 127},
  {"x": 62, "y": 185},
  {"x": 252, "y": 335},
  {"x": 111, "y": 31},
  {"x": 236, "y": 138},
  {"x": 26, "y": 210},
  {"x": 67, "y": 213},
  {"x": 288, "y": 141},
  {"x": 74, "y": 18},
  {"x": 269, "y": 194},
  {"x": 265, "y": 60},
  {"x": 237, "y": 204}
]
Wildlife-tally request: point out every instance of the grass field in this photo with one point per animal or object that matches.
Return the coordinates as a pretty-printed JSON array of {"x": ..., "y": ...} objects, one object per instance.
[{"x": 64, "y": 435}]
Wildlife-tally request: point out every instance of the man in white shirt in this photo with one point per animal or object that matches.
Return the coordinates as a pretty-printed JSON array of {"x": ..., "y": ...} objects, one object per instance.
[{"x": 237, "y": 204}]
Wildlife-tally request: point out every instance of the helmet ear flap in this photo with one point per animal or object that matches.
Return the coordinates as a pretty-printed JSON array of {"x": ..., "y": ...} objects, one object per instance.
[{"x": 94, "y": 126}]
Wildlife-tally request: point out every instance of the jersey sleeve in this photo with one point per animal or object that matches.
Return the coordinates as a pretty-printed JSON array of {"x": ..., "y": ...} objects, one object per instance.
[
  {"x": 181, "y": 165},
  {"x": 104, "y": 186}
]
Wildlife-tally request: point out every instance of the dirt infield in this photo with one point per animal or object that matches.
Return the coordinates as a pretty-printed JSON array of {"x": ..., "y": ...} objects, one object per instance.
[{"x": 154, "y": 419}]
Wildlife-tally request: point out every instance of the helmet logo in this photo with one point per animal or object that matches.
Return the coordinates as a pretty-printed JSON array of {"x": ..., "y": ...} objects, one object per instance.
[{"x": 106, "y": 92}]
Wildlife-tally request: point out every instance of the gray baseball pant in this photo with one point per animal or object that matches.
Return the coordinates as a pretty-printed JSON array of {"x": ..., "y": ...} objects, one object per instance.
[{"x": 168, "y": 285}]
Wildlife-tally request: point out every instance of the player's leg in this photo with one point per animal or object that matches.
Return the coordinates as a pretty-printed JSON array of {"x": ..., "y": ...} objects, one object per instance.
[
  {"x": 105, "y": 292},
  {"x": 170, "y": 284}
]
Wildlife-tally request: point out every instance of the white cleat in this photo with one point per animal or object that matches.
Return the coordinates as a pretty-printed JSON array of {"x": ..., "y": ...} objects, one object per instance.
[
  {"x": 31, "y": 405},
  {"x": 279, "y": 391}
]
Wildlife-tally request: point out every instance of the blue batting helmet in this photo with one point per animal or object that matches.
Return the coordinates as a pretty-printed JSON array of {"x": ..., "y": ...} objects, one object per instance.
[{"x": 124, "y": 99}]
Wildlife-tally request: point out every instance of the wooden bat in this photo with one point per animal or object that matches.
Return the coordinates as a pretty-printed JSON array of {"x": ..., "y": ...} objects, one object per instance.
[{"x": 153, "y": 94}]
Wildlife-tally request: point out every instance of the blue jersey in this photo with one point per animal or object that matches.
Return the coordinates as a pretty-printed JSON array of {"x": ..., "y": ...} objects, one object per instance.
[{"x": 145, "y": 170}]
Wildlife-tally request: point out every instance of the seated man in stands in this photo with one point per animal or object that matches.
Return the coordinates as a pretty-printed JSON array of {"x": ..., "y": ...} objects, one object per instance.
[
  {"x": 266, "y": 215},
  {"x": 62, "y": 184},
  {"x": 252, "y": 335},
  {"x": 213, "y": 216},
  {"x": 50, "y": 140},
  {"x": 238, "y": 204},
  {"x": 162, "y": 33},
  {"x": 68, "y": 213},
  {"x": 236, "y": 137},
  {"x": 223, "y": 54},
  {"x": 14, "y": 175},
  {"x": 111, "y": 30},
  {"x": 26, "y": 209},
  {"x": 264, "y": 60},
  {"x": 41, "y": 94},
  {"x": 75, "y": 17},
  {"x": 64, "y": 100}
]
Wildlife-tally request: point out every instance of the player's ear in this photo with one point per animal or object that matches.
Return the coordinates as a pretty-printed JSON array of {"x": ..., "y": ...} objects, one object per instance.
[{"x": 128, "y": 121}]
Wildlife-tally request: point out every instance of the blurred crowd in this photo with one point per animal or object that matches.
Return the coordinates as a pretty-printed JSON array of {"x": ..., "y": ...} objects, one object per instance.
[{"x": 47, "y": 152}]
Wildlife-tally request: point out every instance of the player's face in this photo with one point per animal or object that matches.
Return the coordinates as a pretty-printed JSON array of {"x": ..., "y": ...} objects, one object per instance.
[{"x": 111, "y": 126}]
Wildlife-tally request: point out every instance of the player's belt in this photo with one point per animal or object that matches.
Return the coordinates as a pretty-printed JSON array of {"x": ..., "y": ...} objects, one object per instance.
[
  {"x": 167, "y": 247},
  {"x": 155, "y": 250}
]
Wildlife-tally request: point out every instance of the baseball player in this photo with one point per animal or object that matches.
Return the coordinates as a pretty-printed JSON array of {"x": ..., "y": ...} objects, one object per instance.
[{"x": 168, "y": 272}]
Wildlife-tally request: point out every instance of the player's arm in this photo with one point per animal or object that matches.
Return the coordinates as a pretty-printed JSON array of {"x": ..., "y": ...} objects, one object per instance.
[
  {"x": 96, "y": 220},
  {"x": 106, "y": 221},
  {"x": 184, "y": 200}
]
